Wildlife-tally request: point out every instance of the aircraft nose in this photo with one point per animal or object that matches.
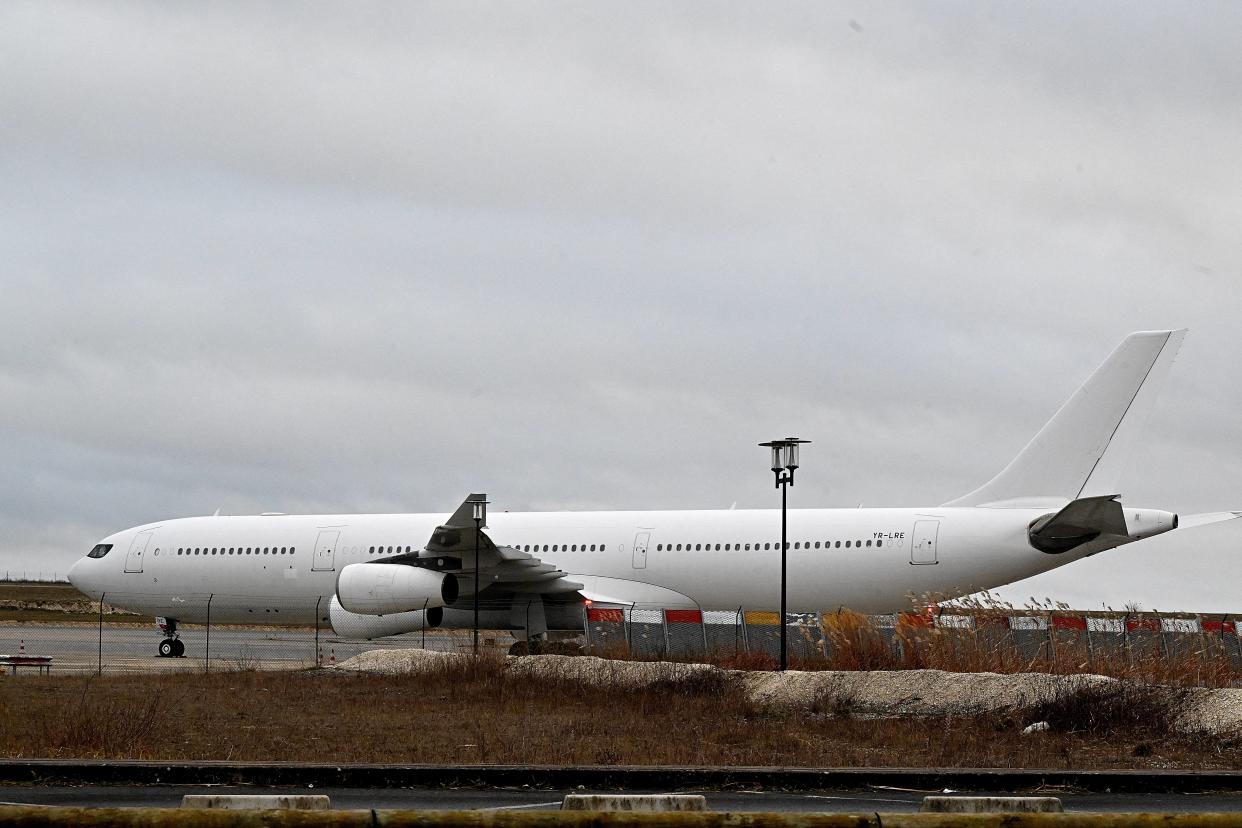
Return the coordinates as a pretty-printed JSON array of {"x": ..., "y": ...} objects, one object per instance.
[{"x": 77, "y": 575}]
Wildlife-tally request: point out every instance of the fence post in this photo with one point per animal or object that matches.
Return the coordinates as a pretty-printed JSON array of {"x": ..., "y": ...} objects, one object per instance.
[
  {"x": 1237, "y": 644},
  {"x": 207, "y": 652},
  {"x": 318, "y": 655},
  {"x": 1052, "y": 643},
  {"x": 1090, "y": 653},
  {"x": 99, "y": 668},
  {"x": 1162, "y": 648},
  {"x": 586, "y": 626},
  {"x": 897, "y": 644},
  {"x": 423, "y": 623},
  {"x": 742, "y": 631}
]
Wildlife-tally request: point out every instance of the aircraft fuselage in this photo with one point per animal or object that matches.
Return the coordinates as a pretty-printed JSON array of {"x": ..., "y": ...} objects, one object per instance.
[{"x": 281, "y": 568}]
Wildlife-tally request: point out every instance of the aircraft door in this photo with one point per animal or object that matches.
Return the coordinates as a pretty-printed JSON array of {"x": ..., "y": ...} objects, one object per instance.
[
  {"x": 923, "y": 543},
  {"x": 137, "y": 549},
  {"x": 640, "y": 549},
  {"x": 325, "y": 551}
]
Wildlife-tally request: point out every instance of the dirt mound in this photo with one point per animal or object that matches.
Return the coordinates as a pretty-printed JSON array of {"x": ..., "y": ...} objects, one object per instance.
[
  {"x": 873, "y": 695},
  {"x": 591, "y": 671},
  {"x": 401, "y": 661},
  {"x": 883, "y": 694}
]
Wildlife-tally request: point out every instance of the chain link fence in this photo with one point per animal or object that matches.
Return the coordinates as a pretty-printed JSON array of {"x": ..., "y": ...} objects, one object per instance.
[{"x": 106, "y": 640}]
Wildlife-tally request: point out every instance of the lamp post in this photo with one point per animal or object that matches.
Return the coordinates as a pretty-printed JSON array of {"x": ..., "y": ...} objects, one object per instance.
[
  {"x": 480, "y": 520},
  {"x": 784, "y": 463}
]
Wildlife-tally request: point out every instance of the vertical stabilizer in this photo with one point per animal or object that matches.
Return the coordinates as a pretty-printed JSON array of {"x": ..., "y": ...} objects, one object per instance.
[{"x": 1084, "y": 448}]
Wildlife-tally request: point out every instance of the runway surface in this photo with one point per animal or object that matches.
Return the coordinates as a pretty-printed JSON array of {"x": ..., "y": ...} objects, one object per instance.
[
  {"x": 74, "y": 648},
  {"x": 856, "y": 801}
]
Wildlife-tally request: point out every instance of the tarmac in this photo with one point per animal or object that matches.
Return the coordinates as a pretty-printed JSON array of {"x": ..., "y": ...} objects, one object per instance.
[{"x": 100, "y": 773}]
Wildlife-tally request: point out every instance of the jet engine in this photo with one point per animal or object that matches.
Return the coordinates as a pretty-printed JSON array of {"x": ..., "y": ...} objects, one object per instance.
[
  {"x": 1100, "y": 520},
  {"x": 386, "y": 588},
  {"x": 353, "y": 625},
  {"x": 1143, "y": 523}
]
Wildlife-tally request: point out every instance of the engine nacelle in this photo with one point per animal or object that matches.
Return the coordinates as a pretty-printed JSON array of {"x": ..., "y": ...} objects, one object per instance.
[
  {"x": 384, "y": 588},
  {"x": 348, "y": 624},
  {"x": 1143, "y": 523}
]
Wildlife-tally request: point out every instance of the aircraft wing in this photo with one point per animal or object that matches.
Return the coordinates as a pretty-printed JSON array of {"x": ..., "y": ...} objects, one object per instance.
[{"x": 452, "y": 548}]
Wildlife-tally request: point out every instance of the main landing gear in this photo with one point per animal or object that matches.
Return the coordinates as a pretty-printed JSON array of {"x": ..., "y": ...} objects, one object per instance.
[{"x": 171, "y": 646}]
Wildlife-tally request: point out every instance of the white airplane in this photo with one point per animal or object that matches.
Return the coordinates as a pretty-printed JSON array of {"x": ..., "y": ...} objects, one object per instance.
[{"x": 378, "y": 575}]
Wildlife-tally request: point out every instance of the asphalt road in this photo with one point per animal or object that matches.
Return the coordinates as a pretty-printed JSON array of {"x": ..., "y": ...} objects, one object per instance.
[{"x": 852, "y": 801}]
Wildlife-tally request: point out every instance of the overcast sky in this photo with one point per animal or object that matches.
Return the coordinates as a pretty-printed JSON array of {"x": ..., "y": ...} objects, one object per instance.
[{"x": 290, "y": 257}]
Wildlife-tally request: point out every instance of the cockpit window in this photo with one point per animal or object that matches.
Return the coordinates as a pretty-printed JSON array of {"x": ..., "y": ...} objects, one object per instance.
[{"x": 100, "y": 550}]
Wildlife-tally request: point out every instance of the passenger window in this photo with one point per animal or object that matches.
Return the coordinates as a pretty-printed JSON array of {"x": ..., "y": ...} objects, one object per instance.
[
  {"x": 838, "y": 544},
  {"x": 868, "y": 543},
  {"x": 879, "y": 543},
  {"x": 847, "y": 544}
]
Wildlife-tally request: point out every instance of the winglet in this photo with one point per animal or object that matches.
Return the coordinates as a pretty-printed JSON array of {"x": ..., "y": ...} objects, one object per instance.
[
  {"x": 464, "y": 516},
  {"x": 1084, "y": 448}
]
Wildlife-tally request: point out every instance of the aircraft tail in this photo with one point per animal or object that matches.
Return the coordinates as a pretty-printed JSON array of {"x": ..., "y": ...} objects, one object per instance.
[{"x": 1084, "y": 448}]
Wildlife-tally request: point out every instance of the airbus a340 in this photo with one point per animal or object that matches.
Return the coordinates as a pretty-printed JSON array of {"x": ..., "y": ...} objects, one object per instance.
[{"x": 377, "y": 575}]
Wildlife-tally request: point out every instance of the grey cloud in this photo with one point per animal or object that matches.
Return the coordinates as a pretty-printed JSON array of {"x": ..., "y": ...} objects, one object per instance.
[{"x": 303, "y": 260}]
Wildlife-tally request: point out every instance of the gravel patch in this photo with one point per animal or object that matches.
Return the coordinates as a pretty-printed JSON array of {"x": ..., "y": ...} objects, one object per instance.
[{"x": 1214, "y": 711}]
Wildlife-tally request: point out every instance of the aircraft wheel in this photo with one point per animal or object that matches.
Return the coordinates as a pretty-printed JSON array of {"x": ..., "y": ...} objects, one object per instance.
[
  {"x": 178, "y": 648},
  {"x": 166, "y": 648}
]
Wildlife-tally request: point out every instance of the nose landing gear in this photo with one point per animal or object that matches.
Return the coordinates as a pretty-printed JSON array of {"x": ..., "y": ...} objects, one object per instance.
[{"x": 171, "y": 646}]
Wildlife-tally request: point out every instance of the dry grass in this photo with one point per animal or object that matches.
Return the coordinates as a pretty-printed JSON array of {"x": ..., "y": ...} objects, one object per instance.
[
  {"x": 477, "y": 712},
  {"x": 854, "y": 642}
]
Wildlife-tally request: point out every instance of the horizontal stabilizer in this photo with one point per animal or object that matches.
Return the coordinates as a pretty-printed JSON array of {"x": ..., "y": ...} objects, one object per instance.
[{"x": 1191, "y": 521}]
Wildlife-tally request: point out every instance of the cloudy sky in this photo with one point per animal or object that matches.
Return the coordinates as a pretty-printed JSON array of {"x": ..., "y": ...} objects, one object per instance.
[{"x": 279, "y": 257}]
